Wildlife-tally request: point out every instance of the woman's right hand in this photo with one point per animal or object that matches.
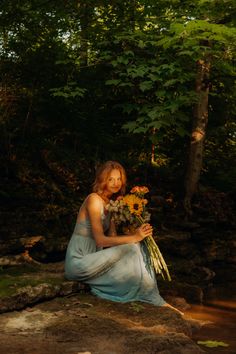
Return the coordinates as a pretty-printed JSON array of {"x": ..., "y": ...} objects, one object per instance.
[{"x": 144, "y": 231}]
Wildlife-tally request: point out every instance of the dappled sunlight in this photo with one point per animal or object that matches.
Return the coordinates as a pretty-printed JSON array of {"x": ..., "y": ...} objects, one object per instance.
[
  {"x": 197, "y": 136},
  {"x": 214, "y": 312},
  {"x": 223, "y": 304},
  {"x": 34, "y": 321}
]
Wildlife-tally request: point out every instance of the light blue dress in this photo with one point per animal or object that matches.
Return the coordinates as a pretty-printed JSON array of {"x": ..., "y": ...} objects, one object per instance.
[{"x": 118, "y": 273}]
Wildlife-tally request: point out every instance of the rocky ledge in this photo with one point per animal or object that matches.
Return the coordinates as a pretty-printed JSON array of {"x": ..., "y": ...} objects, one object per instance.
[{"x": 58, "y": 316}]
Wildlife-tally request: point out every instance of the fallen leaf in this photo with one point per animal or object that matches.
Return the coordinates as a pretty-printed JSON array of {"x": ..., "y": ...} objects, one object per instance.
[{"x": 212, "y": 343}]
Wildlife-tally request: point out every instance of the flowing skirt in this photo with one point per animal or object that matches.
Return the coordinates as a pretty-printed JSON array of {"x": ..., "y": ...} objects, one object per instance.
[{"x": 118, "y": 273}]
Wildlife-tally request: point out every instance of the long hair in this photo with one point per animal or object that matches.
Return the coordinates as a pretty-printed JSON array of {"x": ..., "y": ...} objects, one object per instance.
[{"x": 102, "y": 175}]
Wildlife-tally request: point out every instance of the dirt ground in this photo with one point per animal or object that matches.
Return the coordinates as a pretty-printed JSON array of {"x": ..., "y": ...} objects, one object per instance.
[{"x": 82, "y": 323}]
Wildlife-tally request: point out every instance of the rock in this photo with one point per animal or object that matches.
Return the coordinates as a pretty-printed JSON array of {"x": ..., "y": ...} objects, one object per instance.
[
  {"x": 181, "y": 224},
  {"x": 10, "y": 246},
  {"x": 105, "y": 327},
  {"x": 218, "y": 292},
  {"x": 175, "y": 247},
  {"x": 178, "y": 236},
  {"x": 32, "y": 283},
  {"x": 28, "y": 295},
  {"x": 49, "y": 249},
  {"x": 81, "y": 316},
  {"x": 169, "y": 343},
  {"x": 191, "y": 293},
  {"x": 19, "y": 259},
  {"x": 224, "y": 272},
  {"x": 178, "y": 302}
]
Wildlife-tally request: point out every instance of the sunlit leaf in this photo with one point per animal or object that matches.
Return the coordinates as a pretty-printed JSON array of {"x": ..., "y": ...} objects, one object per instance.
[
  {"x": 146, "y": 85},
  {"x": 212, "y": 343},
  {"x": 113, "y": 82}
]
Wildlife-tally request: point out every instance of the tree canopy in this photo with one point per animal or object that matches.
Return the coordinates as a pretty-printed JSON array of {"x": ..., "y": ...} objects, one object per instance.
[{"x": 96, "y": 80}]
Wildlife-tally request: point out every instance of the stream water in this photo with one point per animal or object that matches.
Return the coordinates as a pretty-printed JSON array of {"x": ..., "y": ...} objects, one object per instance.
[{"x": 220, "y": 319}]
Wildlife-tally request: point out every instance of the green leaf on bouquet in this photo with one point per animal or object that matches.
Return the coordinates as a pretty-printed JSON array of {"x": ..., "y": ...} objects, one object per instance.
[{"x": 212, "y": 343}]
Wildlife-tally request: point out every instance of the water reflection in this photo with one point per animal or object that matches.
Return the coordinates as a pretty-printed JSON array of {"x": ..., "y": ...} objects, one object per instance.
[{"x": 220, "y": 324}]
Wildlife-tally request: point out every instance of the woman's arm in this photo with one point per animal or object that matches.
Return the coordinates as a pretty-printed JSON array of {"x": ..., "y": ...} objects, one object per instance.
[{"x": 93, "y": 206}]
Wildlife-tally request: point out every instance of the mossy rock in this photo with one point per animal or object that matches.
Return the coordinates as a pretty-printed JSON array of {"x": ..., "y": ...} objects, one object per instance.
[{"x": 24, "y": 285}]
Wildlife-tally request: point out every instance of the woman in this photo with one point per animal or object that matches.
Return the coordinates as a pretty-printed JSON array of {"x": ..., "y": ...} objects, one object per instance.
[{"x": 113, "y": 266}]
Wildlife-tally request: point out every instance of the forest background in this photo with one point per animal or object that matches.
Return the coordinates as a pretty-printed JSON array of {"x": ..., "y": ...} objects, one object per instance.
[{"x": 148, "y": 83}]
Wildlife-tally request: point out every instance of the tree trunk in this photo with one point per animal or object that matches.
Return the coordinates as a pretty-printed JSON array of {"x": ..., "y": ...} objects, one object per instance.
[
  {"x": 153, "y": 149},
  {"x": 200, "y": 119}
]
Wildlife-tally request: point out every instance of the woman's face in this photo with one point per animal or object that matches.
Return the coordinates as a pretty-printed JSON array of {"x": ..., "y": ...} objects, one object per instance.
[{"x": 114, "y": 182}]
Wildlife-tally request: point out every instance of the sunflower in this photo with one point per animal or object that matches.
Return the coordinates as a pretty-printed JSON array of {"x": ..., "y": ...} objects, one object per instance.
[{"x": 134, "y": 204}]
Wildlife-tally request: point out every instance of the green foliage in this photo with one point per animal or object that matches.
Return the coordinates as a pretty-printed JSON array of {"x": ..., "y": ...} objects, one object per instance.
[
  {"x": 161, "y": 90},
  {"x": 91, "y": 82},
  {"x": 220, "y": 155},
  {"x": 71, "y": 90}
]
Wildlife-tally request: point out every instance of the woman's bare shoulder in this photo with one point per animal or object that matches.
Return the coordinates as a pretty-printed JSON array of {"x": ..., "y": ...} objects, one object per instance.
[
  {"x": 93, "y": 196},
  {"x": 93, "y": 199}
]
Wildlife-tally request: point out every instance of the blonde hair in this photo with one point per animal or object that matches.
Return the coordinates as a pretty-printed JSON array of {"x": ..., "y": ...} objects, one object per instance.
[{"x": 102, "y": 176}]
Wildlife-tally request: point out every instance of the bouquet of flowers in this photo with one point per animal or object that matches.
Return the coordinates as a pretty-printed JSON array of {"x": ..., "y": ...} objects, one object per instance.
[{"x": 130, "y": 211}]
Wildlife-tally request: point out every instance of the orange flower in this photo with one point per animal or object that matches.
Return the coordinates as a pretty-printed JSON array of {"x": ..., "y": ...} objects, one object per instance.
[
  {"x": 144, "y": 201},
  {"x": 139, "y": 190}
]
